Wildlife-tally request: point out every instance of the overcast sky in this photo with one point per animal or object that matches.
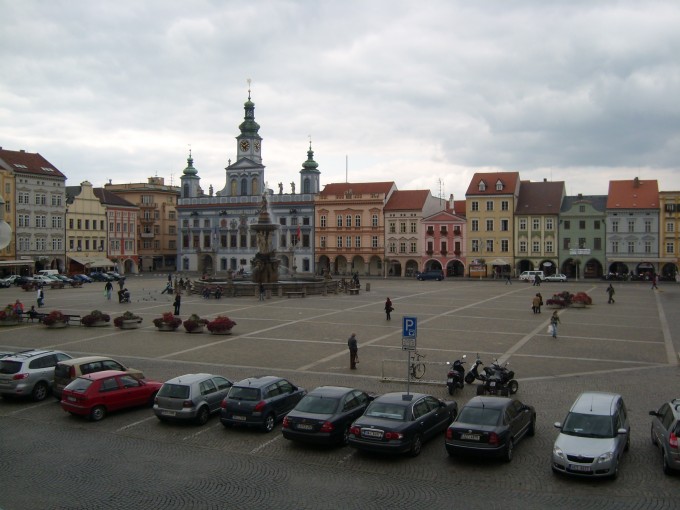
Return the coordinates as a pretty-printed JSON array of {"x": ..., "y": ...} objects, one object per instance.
[{"x": 424, "y": 93}]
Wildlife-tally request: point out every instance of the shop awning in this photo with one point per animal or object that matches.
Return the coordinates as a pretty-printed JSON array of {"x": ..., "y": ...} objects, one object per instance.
[
  {"x": 92, "y": 261},
  {"x": 500, "y": 262},
  {"x": 17, "y": 263}
]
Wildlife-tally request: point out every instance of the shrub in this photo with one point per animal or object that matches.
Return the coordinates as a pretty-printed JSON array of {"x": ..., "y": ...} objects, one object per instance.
[
  {"x": 127, "y": 316},
  {"x": 8, "y": 314},
  {"x": 220, "y": 323},
  {"x": 582, "y": 297}
]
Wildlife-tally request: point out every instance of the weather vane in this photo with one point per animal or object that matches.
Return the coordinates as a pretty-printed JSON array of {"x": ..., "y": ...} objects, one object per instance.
[{"x": 248, "y": 88}]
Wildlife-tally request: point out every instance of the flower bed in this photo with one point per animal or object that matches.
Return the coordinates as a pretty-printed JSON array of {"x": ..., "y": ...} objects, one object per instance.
[
  {"x": 194, "y": 324},
  {"x": 96, "y": 318},
  {"x": 55, "y": 319},
  {"x": 127, "y": 321},
  {"x": 220, "y": 325},
  {"x": 168, "y": 322},
  {"x": 582, "y": 298},
  {"x": 8, "y": 317}
]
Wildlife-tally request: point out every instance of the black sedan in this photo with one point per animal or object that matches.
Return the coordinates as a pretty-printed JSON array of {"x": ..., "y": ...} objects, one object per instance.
[
  {"x": 400, "y": 423},
  {"x": 325, "y": 414},
  {"x": 490, "y": 426}
]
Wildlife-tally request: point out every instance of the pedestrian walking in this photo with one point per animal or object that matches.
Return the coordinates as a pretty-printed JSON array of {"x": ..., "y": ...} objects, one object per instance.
[
  {"x": 40, "y": 298},
  {"x": 108, "y": 289},
  {"x": 177, "y": 303},
  {"x": 353, "y": 351},
  {"x": 261, "y": 291},
  {"x": 168, "y": 288},
  {"x": 554, "y": 321},
  {"x": 535, "y": 304},
  {"x": 540, "y": 301},
  {"x": 121, "y": 283},
  {"x": 170, "y": 278},
  {"x": 610, "y": 291},
  {"x": 654, "y": 278},
  {"x": 388, "y": 308},
  {"x": 508, "y": 279},
  {"x": 537, "y": 281}
]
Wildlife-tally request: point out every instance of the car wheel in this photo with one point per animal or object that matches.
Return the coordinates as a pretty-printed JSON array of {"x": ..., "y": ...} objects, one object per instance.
[
  {"x": 666, "y": 468},
  {"x": 98, "y": 413},
  {"x": 269, "y": 422},
  {"x": 480, "y": 389},
  {"x": 654, "y": 441},
  {"x": 202, "y": 416},
  {"x": 417, "y": 445},
  {"x": 509, "y": 450},
  {"x": 40, "y": 391},
  {"x": 513, "y": 386},
  {"x": 532, "y": 427},
  {"x": 344, "y": 440}
]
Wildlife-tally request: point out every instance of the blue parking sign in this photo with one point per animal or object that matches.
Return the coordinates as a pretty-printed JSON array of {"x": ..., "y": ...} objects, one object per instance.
[{"x": 409, "y": 327}]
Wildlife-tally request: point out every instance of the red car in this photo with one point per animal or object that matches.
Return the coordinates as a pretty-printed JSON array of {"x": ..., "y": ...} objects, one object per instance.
[{"x": 98, "y": 393}]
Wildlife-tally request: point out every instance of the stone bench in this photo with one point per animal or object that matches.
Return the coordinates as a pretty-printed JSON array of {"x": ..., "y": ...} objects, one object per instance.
[{"x": 353, "y": 291}]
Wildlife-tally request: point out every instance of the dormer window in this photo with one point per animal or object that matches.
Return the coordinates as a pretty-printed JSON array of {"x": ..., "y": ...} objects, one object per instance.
[
  {"x": 482, "y": 186},
  {"x": 499, "y": 185}
]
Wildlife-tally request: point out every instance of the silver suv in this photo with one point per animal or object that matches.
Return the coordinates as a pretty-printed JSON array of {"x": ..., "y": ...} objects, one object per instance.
[
  {"x": 665, "y": 434},
  {"x": 29, "y": 373},
  {"x": 593, "y": 437}
]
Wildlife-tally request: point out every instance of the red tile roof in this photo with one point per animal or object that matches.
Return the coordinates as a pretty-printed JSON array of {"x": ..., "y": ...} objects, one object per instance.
[
  {"x": 407, "y": 200},
  {"x": 633, "y": 194},
  {"x": 459, "y": 207},
  {"x": 510, "y": 182},
  {"x": 28, "y": 162},
  {"x": 340, "y": 188}
]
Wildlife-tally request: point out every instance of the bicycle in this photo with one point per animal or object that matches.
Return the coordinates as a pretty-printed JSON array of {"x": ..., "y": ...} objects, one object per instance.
[{"x": 417, "y": 366}]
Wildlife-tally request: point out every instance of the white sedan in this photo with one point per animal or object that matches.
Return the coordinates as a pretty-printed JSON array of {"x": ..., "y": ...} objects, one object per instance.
[{"x": 558, "y": 277}]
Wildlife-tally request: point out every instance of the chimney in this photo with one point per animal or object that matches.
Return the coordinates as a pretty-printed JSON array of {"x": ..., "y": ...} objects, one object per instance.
[
  {"x": 451, "y": 203},
  {"x": 545, "y": 180},
  {"x": 636, "y": 182},
  {"x": 580, "y": 196}
]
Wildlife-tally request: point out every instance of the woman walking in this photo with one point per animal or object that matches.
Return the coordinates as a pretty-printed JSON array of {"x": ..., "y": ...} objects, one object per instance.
[
  {"x": 177, "y": 303},
  {"x": 554, "y": 321},
  {"x": 388, "y": 309}
]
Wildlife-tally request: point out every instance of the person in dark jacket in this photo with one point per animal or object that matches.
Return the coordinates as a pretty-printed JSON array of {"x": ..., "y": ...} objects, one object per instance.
[
  {"x": 353, "y": 351},
  {"x": 177, "y": 303},
  {"x": 388, "y": 308}
]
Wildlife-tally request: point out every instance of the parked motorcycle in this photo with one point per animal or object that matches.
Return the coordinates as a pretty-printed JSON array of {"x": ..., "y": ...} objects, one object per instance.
[
  {"x": 456, "y": 374},
  {"x": 473, "y": 374},
  {"x": 498, "y": 380}
]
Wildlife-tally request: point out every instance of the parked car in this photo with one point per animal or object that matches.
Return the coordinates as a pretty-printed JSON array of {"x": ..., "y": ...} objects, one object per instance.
[
  {"x": 5, "y": 283},
  {"x": 43, "y": 279},
  {"x": 557, "y": 277},
  {"x": 325, "y": 415},
  {"x": 63, "y": 278},
  {"x": 66, "y": 371},
  {"x": 593, "y": 437},
  {"x": 435, "y": 274},
  {"x": 29, "y": 373},
  {"x": 82, "y": 278},
  {"x": 191, "y": 397},
  {"x": 260, "y": 401},
  {"x": 95, "y": 395},
  {"x": 531, "y": 276},
  {"x": 115, "y": 275},
  {"x": 100, "y": 277},
  {"x": 400, "y": 423},
  {"x": 665, "y": 434},
  {"x": 490, "y": 426},
  {"x": 22, "y": 280}
]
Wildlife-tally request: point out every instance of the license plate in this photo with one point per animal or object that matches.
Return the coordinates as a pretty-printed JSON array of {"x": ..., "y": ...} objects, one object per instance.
[
  {"x": 303, "y": 426},
  {"x": 576, "y": 467},
  {"x": 492, "y": 384},
  {"x": 377, "y": 434},
  {"x": 168, "y": 413},
  {"x": 239, "y": 418},
  {"x": 71, "y": 399},
  {"x": 470, "y": 437},
  {"x": 449, "y": 380}
]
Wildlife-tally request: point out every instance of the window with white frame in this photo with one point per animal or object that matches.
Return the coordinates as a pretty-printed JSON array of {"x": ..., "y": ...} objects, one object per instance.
[
  {"x": 24, "y": 244},
  {"x": 505, "y": 205},
  {"x": 489, "y": 245},
  {"x": 670, "y": 226},
  {"x": 499, "y": 185},
  {"x": 392, "y": 247},
  {"x": 348, "y": 220},
  {"x": 523, "y": 224},
  {"x": 648, "y": 247},
  {"x": 536, "y": 223},
  {"x": 522, "y": 246},
  {"x": 670, "y": 247},
  {"x": 648, "y": 226},
  {"x": 56, "y": 200},
  {"x": 489, "y": 225},
  {"x": 323, "y": 241},
  {"x": 357, "y": 242},
  {"x": 374, "y": 220},
  {"x": 414, "y": 247},
  {"x": 474, "y": 206},
  {"x": 615, "y": 225},
  {"x": 392, "y": 227},
  {"x": 505, "y": 225},
  {"x": 474, "y": 225},
  {"x": 357, "y": 220},
  {"x": 41, "y": 244},
  {"x": 57, "y": 222},
  {"x": 615, "y": 246},
  {"x": 129, "y": 245},
  {"x": 339, "y": 220},
  {"x": 348, "y": 241},
  {"x": 402, "y": 227},
  {"x": 57, "y": 244},
  {"x": 40, "y": 199},
  {"x": 414, "y": 227},
  {"x": 489, "y": 205},
  {"x": 631, "y": 225},
  {"x": 631, "y": 246},
  {"x": 505, "y": 245},
  {"x": 548, "y": 246},
  {"x": 374, "y": 241},
  {"x": 41, "y": 221},
  {"x": 23, "y": 197},
  {"x": 323, "y": 220},
  {"x": 549, "y": 225},
  {"x": 402, "y": 247},
  {"x": 535, "y": 246},
  {"x": 475, "y": 246},
  {"x": 339, "y": 242}
]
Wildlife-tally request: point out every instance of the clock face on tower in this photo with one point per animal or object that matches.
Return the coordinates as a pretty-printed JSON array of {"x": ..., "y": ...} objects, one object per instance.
[
  {"x": 245, "y": 145},
  {"x": 257, "y": 146}
]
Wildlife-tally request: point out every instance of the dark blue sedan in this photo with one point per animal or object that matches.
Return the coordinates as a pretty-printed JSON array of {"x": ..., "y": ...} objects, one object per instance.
[{"x": 401, "y": 423}]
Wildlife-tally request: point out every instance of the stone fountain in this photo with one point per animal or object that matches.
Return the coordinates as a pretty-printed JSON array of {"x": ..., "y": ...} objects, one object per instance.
[{"x": 265, "y": 264}]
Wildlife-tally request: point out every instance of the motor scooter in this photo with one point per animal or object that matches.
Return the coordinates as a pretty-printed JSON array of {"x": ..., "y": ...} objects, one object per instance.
[
  {"x": 473, "y": 373},
  {"x": 456, "y": 374}
]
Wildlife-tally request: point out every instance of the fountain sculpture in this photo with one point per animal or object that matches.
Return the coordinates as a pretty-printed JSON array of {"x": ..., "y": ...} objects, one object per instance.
[{"x": 265, "y": 264}]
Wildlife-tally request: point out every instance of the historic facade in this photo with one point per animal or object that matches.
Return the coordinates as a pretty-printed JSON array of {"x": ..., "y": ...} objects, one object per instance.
[
  {"x": 214, "y": 232},
  {"x": 121, "y": 216},
  {"x": 669, "y": 235},
  {"x": 444, "y": 239},
  {"x": 582, "y": 236}
]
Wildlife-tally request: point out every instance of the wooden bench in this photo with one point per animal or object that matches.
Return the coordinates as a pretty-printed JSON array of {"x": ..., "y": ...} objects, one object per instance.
[
  {"x": 295, "y": 293},
  {"x": 38, "y": 316}
]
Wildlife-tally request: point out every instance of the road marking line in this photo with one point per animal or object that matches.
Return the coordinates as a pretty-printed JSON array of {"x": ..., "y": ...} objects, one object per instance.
[
  {"x": 28, "y": 408},
  {"x": 136, "y": 423},
  {"x": 668, "y": 340},
  {"x": 204, "y": 429},
  {"x": 264, "y": 445}
]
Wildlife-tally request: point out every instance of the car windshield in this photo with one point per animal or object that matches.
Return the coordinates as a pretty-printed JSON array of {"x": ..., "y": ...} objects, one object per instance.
[
  {"x": 386, "y": 410},
  {"x": 240, "y": 393},
  {"x": 174, "y": 391},
  {"x": 316, "y": 404},
  {"x": 79, "y": 385},
  {"x": 479, "y": 416},
  {"x": 10, "y": 367},
  {"x": 588, "y": 425}
]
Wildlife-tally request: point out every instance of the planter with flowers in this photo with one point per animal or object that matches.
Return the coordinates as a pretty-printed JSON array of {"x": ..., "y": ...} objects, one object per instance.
[
  {"x": 220, "y": 325},
  {"x": 194, "y": 324},
  {"x": 168, "y": 322},
  {"x": 581, "y": 300},
  {"x": 55, "y": 320},
  {"x": 96, "y": 319},
  {"x": 8, "y": 317},
  {"x": 127, "y": 321}
]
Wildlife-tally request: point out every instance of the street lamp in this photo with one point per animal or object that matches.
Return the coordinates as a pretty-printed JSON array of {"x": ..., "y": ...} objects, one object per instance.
[{"x": 5, "y": 229}]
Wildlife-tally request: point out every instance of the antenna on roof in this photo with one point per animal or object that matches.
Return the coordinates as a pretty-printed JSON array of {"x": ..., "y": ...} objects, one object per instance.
[{"x": 346, "y": 167}]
